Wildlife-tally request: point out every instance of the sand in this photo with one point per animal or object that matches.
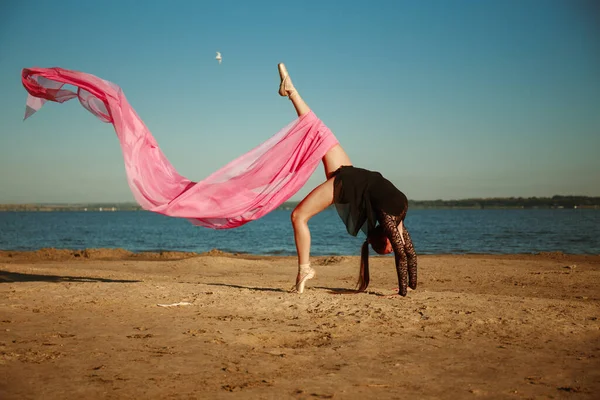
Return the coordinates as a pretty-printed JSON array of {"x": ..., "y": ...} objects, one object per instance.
[{"x": 88, "y": 325}]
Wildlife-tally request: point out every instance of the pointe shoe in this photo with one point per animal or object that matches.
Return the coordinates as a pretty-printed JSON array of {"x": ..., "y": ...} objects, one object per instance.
[
  {"x": 304, "y": 274},
  {"x": 286, "y": 87}
]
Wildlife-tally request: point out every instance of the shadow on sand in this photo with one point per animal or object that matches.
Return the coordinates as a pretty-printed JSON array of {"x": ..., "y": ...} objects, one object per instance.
[
  {"x": 249, "y": 287},
  {"x": 9, "y": 277},
  {"x": 263, "y": 289}
]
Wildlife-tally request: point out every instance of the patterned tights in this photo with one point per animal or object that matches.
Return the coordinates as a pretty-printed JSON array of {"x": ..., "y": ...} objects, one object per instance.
[{"x": 404, "y": 251}]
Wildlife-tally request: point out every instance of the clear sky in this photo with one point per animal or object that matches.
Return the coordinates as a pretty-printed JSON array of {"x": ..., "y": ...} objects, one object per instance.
[{"x": 448, "y": 99}]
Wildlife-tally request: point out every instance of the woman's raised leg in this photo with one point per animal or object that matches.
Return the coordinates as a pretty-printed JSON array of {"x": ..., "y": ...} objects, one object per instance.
[
  {"x": 336, "y": 156},
  {"x": 320, "y": 198}
]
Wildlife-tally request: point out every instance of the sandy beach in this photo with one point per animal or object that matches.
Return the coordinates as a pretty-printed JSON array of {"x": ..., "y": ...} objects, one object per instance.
[{"x": 102, "y": 324}]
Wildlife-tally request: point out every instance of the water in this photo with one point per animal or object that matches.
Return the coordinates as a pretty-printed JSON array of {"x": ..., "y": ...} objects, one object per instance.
[{"x": 433, "y": 232}]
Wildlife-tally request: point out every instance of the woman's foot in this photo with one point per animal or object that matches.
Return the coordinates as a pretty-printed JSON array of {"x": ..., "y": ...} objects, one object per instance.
[
  {"x": 305, "y": 272},
  {"x": 286, "y": 87}
]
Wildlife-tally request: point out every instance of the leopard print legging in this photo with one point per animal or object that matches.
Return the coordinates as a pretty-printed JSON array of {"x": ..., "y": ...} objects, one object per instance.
[{"x": 404, "y": 251}]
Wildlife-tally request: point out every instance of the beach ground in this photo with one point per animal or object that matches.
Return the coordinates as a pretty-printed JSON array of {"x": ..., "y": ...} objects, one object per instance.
[{"x": 97, "y": 324}]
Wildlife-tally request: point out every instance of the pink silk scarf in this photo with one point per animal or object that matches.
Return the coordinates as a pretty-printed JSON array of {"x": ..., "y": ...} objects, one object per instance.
[{"x": 244, "y": 190}]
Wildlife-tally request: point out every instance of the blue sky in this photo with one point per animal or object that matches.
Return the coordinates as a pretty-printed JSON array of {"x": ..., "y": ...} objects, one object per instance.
[{"x": 448, "y": 99}]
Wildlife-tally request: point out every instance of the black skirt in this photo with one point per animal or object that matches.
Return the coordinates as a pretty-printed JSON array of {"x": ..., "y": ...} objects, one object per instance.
[{"x": 360, "y": 195}]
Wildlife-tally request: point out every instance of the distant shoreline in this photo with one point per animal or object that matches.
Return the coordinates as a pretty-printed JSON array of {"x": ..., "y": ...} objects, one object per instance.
[
  {"x": 416, "y": 207},
  {"x": 554, "y": 202}
]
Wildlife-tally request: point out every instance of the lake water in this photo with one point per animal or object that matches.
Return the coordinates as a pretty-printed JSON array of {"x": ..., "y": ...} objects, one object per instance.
[{"x": 434, "y": 231}]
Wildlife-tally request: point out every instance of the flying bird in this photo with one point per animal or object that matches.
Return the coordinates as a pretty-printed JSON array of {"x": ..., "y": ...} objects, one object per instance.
[{"x": 218, "y": 57}]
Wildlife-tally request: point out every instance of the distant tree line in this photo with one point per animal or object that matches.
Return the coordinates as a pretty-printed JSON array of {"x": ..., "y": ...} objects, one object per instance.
[
  {"x": 501, "y": 202},
  {"x": 512, "y": 202},
  {"x": 477, "y": 203}
]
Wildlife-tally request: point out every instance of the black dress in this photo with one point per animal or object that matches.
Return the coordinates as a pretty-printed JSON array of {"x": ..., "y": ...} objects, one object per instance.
[
  {"x": 365, "y": 198},
  {"x": 360, "y": 195}
]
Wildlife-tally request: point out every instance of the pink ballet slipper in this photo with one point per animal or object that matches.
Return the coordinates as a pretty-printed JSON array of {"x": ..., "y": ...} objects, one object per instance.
[
  {"x": 305, "y": 272},
  {"x": 286, "y": 87}
]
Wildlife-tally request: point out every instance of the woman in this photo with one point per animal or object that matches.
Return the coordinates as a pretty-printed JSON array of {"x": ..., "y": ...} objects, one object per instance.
[
  {"x": 365, "y": 201},
  {"x": 252, "y": 185}
]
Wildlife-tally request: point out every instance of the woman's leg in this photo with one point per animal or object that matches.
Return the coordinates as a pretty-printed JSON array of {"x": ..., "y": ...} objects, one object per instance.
[
  {"x": 336, "y": 156},
  {"x": 320, "y": 198},
  {"x": 334, "y": 159},
  {"x": 411, "y": 256},
  {"x": 390, "y": 226}
]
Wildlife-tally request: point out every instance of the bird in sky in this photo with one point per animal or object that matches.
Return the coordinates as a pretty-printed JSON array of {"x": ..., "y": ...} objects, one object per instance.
[{"x": 218, "y": 57}]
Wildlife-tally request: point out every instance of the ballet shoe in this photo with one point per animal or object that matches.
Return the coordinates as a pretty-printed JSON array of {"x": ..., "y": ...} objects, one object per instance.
[
  {"x": 286, "y": 87},
  {"x": 305, "y": 273}
]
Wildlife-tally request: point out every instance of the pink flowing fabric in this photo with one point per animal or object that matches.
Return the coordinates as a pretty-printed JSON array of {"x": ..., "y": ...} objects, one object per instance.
[{"x": 244, "y": 190}]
